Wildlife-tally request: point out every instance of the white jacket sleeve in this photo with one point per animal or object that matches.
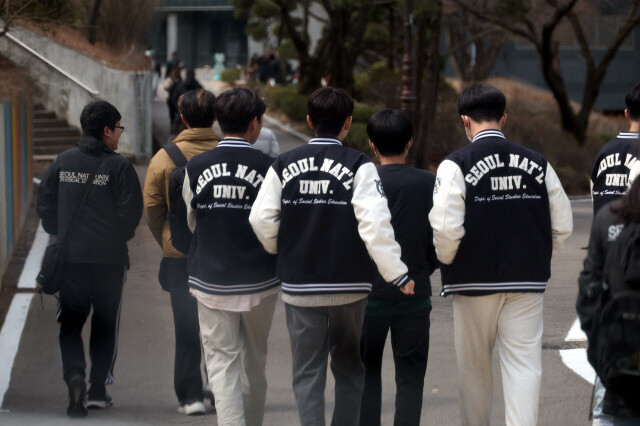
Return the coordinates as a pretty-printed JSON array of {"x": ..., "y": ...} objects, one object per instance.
[
  {"x": 374, "y": 225},
  {"x": 447, "y": 215},
  {"x": 633, "y": 173},
  {"x": 187, "y": 195},
  {"x": 560, "y": 207},
  {"x": 265, "y": 212}
]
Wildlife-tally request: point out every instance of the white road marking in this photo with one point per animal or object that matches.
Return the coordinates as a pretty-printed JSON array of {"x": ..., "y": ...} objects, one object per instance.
[
  {"x": 19, "y": 309},
  {"x": 576, "y": 359},
  {"x": 34, "y": 259},
  {"x": 575, "y": 333}
]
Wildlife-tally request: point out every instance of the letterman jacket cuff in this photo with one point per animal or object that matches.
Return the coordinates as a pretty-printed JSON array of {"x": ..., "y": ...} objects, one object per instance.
[
  {"x": 447, "y": 215},
  {"x": 265, "y": 212},
  {"x": 187, "y": 195},
  {"x": 374, "y": 225},
  {"x": 560, "y": 208}
]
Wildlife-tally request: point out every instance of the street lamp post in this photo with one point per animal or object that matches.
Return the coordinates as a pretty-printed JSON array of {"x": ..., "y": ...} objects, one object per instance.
[{"x": 407, "y": 97}]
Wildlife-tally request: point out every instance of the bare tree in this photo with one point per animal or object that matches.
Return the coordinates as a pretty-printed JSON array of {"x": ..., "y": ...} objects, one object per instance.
[
  {"x": 93, "y": 21},
  {"x": 538, "y": 22},
  {"x": 473, "y": 44}
]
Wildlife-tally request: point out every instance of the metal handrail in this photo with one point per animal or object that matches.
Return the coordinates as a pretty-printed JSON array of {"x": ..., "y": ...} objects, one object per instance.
[{"x": 52, "y": 65}]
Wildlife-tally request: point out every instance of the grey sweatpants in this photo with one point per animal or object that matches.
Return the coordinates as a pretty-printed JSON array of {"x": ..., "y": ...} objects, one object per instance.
[{"x": 315, "y": 334}]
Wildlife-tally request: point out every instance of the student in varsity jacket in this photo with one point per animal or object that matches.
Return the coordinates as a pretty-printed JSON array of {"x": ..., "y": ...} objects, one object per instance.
[
  {"x": 230, "y": 274},
  {"x": 617, "y": 164},
  {"x": 409, "y": 193},
  {"x": 498, "y": 209},
  {"x": 322, "y": 209}
]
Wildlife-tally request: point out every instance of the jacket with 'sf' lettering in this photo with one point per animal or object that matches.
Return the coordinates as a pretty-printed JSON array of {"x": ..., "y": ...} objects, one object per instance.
[
  {"x": 225, "y": 257},
  {"x": 611, "y": 169},
  {"x": 322, "y": 209},
  {"x": 498, "y": 208}
]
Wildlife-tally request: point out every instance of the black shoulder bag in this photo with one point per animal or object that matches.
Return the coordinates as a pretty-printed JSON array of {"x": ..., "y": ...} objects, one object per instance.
[{"x": 51, "y": 273}]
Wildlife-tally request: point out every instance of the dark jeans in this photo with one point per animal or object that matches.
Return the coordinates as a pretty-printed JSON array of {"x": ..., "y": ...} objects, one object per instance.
[
  {"x": 315, "y": 333},
  {"x": 90, "y": 286},
  {"x": 187, "y": 379},
  {"x": 410, "y": 344}
]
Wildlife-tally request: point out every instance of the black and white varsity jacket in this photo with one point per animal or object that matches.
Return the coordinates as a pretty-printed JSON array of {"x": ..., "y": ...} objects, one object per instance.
[
  {"x": 225, "y": 257},
  {"x": 322, "y": 209},
  {"x": 611, "y": 168},
  {"x": 497, "y": 208}
]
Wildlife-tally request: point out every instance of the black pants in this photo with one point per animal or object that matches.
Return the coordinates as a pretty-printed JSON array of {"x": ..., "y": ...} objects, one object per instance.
[
  {"x": 90, "y": 286},
  {"x": 410, "y": 344},
  {"x": 187, "y": 379}
]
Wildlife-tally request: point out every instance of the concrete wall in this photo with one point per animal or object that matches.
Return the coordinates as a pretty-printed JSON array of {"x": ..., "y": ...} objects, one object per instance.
[
  {"x": 129, "y": 91},
  {"x": 16, "y": 186}
]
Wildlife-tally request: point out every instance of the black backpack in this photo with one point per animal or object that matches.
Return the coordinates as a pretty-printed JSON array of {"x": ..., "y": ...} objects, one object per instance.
[
  {"x": 614, "y": 341},
  {"x": 180, "y": 233}
]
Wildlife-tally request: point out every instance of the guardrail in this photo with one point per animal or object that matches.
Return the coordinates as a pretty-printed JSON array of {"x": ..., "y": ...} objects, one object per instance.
[
  {"x": 51, "y": 64},
  {"x": 16, "y": 180}
]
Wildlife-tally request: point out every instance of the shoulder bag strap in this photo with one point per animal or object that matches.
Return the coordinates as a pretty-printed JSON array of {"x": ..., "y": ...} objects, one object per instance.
[{"x": 176, "y": 155}]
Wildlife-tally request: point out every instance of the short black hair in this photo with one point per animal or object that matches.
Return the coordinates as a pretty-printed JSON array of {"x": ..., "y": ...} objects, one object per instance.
[
  {"x": 96, "y": 115},
  {"x": 236, "y": 107},
  {"x": 390, "y": 131},
  {"x": 328, "y": 109},
  {"x": 196, "y": 107},
  {"x": 633, "y": 102},
  {"x": 482, "y": 102}
]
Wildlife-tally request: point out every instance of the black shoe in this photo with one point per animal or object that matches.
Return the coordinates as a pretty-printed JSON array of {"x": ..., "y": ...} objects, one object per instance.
[
  {"x": 98, "y": 399},
  {"x": 77, "y": 388},
  {"x": 208, "y": 394}
]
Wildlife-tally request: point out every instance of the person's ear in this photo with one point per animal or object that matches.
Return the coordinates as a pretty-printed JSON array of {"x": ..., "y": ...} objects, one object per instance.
[
  {"x": 503, "y": 120},
  {"x": 626, "y": 115},
  {"x": 465, "y": 121},
  {"x": 408, "y": 147},
  {"x": 309, "y": 122},
  {"x": 107, "y": 131},
  {"x": 347, "y": 123},
  {"x": 183, "y": 120},
  {"x": 373, "y": 148}
]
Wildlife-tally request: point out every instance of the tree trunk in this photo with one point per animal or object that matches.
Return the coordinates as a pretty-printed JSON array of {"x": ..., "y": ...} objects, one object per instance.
[{"x": 93, "y": 22}]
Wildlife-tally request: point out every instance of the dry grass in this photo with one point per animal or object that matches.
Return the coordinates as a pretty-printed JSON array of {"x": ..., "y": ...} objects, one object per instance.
[
  {"x": 130, "y": 59},
  {"x": 14, "y": 79}
]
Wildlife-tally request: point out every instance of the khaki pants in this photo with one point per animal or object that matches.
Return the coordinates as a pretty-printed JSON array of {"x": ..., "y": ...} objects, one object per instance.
[
  {"x": 515, "y": 319},
  {"x": 235, "y": 348}
]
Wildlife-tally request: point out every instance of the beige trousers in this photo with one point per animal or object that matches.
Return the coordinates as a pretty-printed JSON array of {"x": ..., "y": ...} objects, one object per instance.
[
  {"x": 235, "y": 349},
  {"x": 515, "y": 319}
]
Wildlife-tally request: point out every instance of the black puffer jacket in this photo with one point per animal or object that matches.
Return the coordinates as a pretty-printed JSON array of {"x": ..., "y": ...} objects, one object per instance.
[{"x": 112, "y": 210}]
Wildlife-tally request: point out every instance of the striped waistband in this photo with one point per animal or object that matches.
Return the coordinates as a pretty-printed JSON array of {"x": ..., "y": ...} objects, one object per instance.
[
  {"x": 324, "y": 288},
  {"x": 523, "y": 286},
  {"x": 230, "y": 289}
]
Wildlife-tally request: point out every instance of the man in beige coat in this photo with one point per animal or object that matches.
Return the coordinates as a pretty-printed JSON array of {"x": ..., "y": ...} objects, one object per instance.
[{"x": 196, "y": 110}]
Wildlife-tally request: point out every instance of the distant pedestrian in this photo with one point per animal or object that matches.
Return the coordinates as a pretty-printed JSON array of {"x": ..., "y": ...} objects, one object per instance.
[
  {"x": 267, "y": 143},
  {"x": 170, "y": 85},
  {"x": 189, "y": 83},
  {"x": 498, "y": 210},
  {"x": 174, "y": 62},
  {"x": 409, "y": 193},
  {"x": 230, "y": 274},
  {"x": 263, "y": 67},
  {"x": 322, "y": 210},
  {"x": 196, "y": 109},
  {"x": 96, "y": 258},
  {"x": 613, "y": 165},
  {"x": 253, "y": 67}
]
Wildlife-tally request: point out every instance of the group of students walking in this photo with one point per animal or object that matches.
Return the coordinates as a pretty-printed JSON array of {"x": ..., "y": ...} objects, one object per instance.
[{"x": 350, "y": 245}]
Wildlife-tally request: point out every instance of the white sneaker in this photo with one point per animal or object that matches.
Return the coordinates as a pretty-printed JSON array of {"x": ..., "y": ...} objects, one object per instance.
[{"x": 192, "y": 409}]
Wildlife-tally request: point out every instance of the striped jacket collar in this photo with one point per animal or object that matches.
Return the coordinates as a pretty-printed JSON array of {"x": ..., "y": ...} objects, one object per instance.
[
  {"x": 324, "y": 141},
  {"x": 234, "y": 143},
  {"x": 628, "y": 135},
  {"x": 487, "y": 134}
]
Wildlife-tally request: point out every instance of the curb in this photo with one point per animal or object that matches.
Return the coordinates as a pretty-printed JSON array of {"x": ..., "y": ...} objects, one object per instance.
[{"x": 273, "y": 122}]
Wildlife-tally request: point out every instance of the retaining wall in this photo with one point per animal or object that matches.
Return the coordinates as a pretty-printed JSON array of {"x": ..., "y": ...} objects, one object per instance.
[{"x": 129, "y": 91}]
